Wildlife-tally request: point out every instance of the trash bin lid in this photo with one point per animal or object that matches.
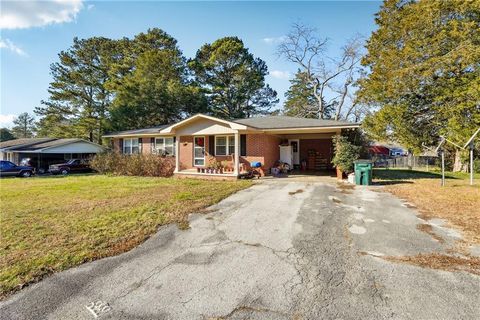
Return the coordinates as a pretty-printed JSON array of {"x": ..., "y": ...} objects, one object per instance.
[{"x": 363, "y": 161}]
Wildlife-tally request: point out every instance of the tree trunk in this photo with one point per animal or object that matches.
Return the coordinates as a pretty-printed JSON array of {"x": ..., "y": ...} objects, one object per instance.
[{"x": 458, "y": 164}]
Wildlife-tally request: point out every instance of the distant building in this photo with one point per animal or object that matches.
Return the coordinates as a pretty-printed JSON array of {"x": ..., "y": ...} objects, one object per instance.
[{"x": 41, "y": 152}]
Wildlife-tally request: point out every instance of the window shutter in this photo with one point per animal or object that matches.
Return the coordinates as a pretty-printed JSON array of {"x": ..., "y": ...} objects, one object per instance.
[
  {"x": 243, "y": 145},
  {"x": 120, "y": 145},
  {"x": 211, "y": 145}
]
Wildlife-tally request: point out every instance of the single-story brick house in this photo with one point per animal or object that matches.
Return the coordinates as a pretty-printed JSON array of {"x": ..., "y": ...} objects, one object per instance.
[{"x": 197, "y": 141}]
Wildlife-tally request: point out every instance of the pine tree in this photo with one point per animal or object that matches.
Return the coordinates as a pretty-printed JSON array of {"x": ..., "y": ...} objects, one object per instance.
[
  {"x": 24, "y": 126},
  {"x": 424, "y": 72}
]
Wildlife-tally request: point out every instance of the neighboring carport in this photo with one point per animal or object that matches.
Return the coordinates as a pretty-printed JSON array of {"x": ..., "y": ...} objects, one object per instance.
[{"x": 43, "y": 152}]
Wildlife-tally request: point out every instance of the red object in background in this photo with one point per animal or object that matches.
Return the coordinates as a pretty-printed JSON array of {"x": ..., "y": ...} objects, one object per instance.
[
  {"x": 199, "y": 141},
  {"x": 379, "y": 150}
]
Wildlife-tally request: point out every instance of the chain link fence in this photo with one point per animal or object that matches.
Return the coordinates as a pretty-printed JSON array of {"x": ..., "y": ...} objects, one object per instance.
[{"x": 410, "y": 162}]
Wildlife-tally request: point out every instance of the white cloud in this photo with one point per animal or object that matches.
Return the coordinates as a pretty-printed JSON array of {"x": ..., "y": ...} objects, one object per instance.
[
  {"x": 273, "y": 40},
  {"x": 9, "y": 45},
  {"x": 37, "y": 13},
  {"x": 6, "y": 120},
  {"x": 90, "y": 6},
  {"x": 285, "y": 75}
]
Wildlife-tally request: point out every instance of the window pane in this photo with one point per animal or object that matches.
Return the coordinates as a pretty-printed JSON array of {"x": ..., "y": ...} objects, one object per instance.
[
  {"x": 220, "y": 150},
  {"x": 199, "y": 162},
  {"x": 159, "y": 142},
  {"x": 231, "y": 149},
  {"x": 169, "y": 150},
  {"x": 221, "y": 141},
  {"x": 231, "y": 140},
  {"x": 127, "y": 142},
  {"x": 135, "y": 142},
  {"x": 199, "y": 141},
  {"x": 199, "y": 152},
  {"x": 135, "y": 149},
  {"x": 168, "y": 141}
]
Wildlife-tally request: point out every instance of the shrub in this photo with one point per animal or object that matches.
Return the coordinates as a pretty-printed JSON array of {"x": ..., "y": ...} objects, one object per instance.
[
  {"x": 133, "y": 165},
  {"x": 345, "y": 153}
]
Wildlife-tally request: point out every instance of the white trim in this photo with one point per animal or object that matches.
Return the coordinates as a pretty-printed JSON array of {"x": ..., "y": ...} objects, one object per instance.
[
  {"x": 324, "y": 129},
  {"x": 177, "y": 154},
  {"x": 194, "y": 158},
  {"x": 133, "y": 135},
  {"x": 227, "y": 144},
  {"x": 232, "y": 125},
  {"x": 298, "y": 151},
  {"x": 236, "y": 169}
]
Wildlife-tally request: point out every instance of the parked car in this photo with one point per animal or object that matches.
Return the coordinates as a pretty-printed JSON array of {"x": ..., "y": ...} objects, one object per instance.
[
  {"x": 10, "y": 169},
  {"x": 71, "y": 166}
]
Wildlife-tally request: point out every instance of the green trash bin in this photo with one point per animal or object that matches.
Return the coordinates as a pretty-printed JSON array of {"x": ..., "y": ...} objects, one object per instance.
[{"x": 363, "y": 172}]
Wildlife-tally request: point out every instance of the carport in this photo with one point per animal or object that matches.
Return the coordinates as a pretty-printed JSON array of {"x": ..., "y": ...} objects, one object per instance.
[
  {"x": 43, "y": 152},
  {"x": 312, "y": 151}
]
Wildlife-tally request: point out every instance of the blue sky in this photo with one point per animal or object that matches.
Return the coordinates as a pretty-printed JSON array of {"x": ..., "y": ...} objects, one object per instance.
[{"x": 33, "y": 33}]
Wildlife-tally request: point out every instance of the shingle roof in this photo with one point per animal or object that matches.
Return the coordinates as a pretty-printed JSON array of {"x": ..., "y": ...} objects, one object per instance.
[
  {"x": 284, "y": 122},
  {"x": 49, "y": 144},
  {"x": 153, "y": 130},
  {"x": 33, "y": 144},
  {"x": 23, "y": 142}
]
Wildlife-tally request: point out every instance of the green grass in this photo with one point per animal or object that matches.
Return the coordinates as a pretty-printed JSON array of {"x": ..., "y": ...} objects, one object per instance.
[
  {"x": 405, "y": 174},
  {"x": 53, "y": 223}
]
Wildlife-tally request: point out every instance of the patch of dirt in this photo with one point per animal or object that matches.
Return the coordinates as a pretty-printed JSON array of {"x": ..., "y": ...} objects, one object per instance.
[
  {"x": 458, "y": 203},
  {"x": 336, "y": 200},
  {"x": 295, "y": 192},
  {"x": 345, "y": 188},
  {"x": 441, "y": 262},
  {"x": 427, "y": 228}
]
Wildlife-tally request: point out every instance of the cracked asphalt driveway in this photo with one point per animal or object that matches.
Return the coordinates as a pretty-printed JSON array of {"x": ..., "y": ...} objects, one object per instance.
[{"x": 278, "y": 250}]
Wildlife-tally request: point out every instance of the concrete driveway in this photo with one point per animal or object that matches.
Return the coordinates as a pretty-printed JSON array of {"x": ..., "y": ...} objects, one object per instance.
[{"x": 279, "y": 250}]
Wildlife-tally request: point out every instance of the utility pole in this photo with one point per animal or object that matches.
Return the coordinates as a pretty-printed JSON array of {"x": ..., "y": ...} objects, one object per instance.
[
  {"x": 471, "y": 163},
  {"x": 471, "y": 145},
  {"x": 442, "y": 153}
]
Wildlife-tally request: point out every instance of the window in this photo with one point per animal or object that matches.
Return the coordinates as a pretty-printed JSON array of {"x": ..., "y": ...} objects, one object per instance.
[
  {"x": 165, "y": 146},
  {"x": 199, "y": 151},
  {"x": 231, "y": 145},
  {"x": 220, "y": 146},
  {"x": 224, "y": 145},
  {"x": 130, "y": 146}
]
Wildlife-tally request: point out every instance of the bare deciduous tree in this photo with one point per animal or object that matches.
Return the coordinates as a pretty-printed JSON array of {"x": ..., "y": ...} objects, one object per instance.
[{"x": 328, "y": 77}]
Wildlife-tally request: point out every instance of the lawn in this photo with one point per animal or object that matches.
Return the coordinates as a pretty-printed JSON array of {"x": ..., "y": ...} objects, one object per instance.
[
  {"x": 53, "y": 223},
  {"x": 457, "y": 201}
]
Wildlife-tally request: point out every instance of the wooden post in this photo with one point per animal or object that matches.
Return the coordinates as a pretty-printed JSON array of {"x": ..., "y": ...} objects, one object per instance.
[
  {"x": 177, "y": 154},
  {"x": 237, "y": 154}
]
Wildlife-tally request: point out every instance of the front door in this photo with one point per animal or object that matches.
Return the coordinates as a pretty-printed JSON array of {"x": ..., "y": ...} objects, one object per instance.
[{"x": 295, "y": 143}]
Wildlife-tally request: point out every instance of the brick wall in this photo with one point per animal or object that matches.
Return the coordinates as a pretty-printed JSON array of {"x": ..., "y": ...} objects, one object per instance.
[
  {"x": 186, "y": 152},
  {"x": 263, "y": 148},
  {"x": 322, "y": 146},
  {"x": 146, "y": 145},
  {"x": 116, "y": 145}
]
